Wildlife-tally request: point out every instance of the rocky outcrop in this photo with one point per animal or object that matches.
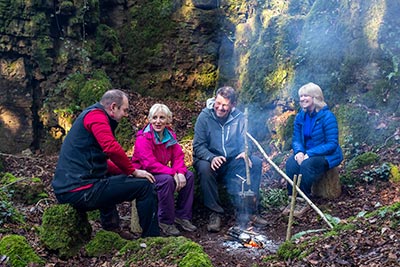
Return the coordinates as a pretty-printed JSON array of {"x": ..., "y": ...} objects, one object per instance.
[{"x": 185, "y": 49}]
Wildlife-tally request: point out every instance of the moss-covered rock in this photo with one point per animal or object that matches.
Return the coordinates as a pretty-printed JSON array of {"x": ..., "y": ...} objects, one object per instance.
[
  {"x": 104, "y": 242},
  {"x": 64, "y": 230},
  {"x": 19, "y": 252},
  {"x": 178, "y": 251}
]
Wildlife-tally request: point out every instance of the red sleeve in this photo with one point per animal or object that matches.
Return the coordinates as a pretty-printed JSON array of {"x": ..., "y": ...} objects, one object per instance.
[{"x": 96, "y": 122}]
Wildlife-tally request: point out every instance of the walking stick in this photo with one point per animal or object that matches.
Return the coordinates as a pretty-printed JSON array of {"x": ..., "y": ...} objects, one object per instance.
[
  {"x": 292, "y": 205},
  {"x": 289, "y": 180}
]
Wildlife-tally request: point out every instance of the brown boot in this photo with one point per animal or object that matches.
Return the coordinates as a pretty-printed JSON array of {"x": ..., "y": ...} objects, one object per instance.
[
  {"x": 124, "y": 233},
  {"x": 214, "y": 224}
]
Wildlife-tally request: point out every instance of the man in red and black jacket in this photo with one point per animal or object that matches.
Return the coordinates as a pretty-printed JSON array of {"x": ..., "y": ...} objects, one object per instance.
[{"x": 94, "y": 172}]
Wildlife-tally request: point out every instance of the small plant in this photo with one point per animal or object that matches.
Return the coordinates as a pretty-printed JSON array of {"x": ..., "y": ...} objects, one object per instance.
[
  {"x": 380, "y": 173},
  {"x": 272, "y": 198}
]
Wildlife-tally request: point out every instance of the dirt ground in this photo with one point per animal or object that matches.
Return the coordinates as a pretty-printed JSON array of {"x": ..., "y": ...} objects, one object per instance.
[{"x": 219, "y": 246}]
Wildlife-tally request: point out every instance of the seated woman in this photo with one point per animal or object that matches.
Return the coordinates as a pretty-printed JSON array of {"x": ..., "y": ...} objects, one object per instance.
[
  {"x": 158, "y": 152},
  {"x": 315, "y": 143}
]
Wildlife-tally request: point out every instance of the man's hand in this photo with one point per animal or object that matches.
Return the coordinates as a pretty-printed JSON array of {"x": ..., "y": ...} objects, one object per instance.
[
  {"x": 144, "y": 174},
  {"x": 243, "y": 156},
  {"x": 180, "y": 181},
  {"x": 217, "y": 162}
]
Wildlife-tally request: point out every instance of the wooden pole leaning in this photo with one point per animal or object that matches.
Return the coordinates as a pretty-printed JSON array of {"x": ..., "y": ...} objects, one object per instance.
[
  {"x": 313, "y": 206},
  {"x": 297, "y": 182}
]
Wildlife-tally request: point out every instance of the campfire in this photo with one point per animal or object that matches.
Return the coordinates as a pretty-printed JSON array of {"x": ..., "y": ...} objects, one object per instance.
[{"x": 248, "y": 238}]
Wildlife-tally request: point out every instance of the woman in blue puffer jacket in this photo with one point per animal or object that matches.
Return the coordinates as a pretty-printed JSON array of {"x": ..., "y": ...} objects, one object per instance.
[{"x": 315, "y": 139}]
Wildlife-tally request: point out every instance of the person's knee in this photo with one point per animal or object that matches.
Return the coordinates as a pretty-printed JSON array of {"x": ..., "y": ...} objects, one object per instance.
[{"x": 203, "y": 168}]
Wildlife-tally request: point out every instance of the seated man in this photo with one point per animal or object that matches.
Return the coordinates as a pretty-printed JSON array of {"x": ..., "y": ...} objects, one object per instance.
[
  {"x": 93, "y": 171},
  {"x": 218, "y": 153}
]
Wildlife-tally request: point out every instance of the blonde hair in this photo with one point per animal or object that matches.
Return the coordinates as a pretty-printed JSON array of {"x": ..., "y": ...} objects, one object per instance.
[
  {"x": 160, "y": 108},
  {"x": 315, "y": 91}
]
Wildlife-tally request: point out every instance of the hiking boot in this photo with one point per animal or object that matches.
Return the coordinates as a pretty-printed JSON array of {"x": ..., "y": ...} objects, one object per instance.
[
  {"x": 214, "y": 224},
  {"x": 169, "y": 229},
  {"x": 123, "y": 233},
  {"x": 259, "y": 221},
  {"x": 300, "y": 208},
  {"x": 186, "y": 224}
]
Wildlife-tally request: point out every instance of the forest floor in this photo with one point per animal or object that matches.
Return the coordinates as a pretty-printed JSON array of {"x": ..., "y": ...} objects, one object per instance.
[{"x": 371, "y": 241}]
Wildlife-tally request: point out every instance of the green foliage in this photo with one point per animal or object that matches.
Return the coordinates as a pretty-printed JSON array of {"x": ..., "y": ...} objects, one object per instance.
[
  {"x": 19, "y": 251},
  {"x": 94, "y": 88},
  {"x": 394, "y": 173},
  {"x": 195, "y": 259},
  {"x": 362, "y": 160},
  {"x": 8, "y": 213},
  {"x": 143, "y": 36},
  {"x": 273, "y": 197},
  {"x": 379, "y": 173},
  {"x": 207, "y": 77},
  {"x": 64, "y": 230},
  {"x": 41, "y": 53},
  {"x": 124, "y": 134},
  {"x": 107, "y": 49},
  {"x": 103, "y": 243}
]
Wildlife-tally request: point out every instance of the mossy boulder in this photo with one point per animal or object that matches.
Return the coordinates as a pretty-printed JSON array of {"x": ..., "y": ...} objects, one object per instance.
[
  {"x": 177, "y": 251},
  {"x": 19, "y": 252},
  {"x": 104, "y": 242},
  {"x": 64, "y": 230}
]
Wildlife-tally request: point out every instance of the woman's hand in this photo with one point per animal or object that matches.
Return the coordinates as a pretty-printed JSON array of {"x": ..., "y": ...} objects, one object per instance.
[
  {"x": 144, "y": 174},
  {"x": 299, "y": 157},
  {"x": 180, "y": 181}
]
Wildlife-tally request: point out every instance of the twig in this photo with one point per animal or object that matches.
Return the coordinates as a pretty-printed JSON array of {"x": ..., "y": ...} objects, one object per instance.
[{"x": 289, "y": 181}]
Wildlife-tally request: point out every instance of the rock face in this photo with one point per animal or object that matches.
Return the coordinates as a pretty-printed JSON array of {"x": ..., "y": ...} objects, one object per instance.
[{"x": 185, "y": 49}]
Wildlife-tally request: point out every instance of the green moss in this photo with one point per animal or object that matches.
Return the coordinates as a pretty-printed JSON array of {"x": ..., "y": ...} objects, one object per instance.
[
  {"x": 41, "y": 53},
  {"x": 94, "y": 88},
  {"x": 288, "y": 250},
  {"x": 362, "y": 160},
  {"x": 171, "y": 250},
  {"x": 104, "y": 242},
  {"x": 64, "y": 230},
  {"x": 195, "y": 259},
  {"x": 394, "y": 173},
  {"x": 19, "y": 251},
  {"x": 207, "y": 77}
]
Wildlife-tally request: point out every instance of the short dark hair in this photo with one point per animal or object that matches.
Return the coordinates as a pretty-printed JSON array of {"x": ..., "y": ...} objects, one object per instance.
[
  {"x": 113, "y": 95},
  {"x": 227, "y": 92}
]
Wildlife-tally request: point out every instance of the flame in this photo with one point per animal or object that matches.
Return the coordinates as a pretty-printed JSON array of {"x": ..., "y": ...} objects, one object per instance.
[{"x": 252, "y": 244}]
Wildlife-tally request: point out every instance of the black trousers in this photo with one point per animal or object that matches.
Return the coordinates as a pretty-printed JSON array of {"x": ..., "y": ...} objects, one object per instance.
[
  {"x": 227, "y": 174},
  {"x": 311, "y": 170},
  {"x": 105, "y": 194}
]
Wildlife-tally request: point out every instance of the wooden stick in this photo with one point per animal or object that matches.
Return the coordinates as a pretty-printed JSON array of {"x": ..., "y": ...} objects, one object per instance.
[
  {"x": 246, "y": 147},
  {"x": 292, "y": 205},
  {"x": 290, "y": 181}
]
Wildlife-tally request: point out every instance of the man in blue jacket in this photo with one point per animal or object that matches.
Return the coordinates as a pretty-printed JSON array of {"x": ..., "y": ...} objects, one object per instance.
[
  {"x": 315, "y": 143},
  {"x": 218, "y": 152}
]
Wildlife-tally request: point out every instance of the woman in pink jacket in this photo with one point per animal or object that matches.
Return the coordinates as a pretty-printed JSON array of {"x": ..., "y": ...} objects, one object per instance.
[{"x": 158, "y": 152}]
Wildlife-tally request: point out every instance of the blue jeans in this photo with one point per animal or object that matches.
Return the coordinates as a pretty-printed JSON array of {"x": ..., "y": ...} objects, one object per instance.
[
  {"x": 106, "y": 193},
  {"x": 311, "y": 170}
]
